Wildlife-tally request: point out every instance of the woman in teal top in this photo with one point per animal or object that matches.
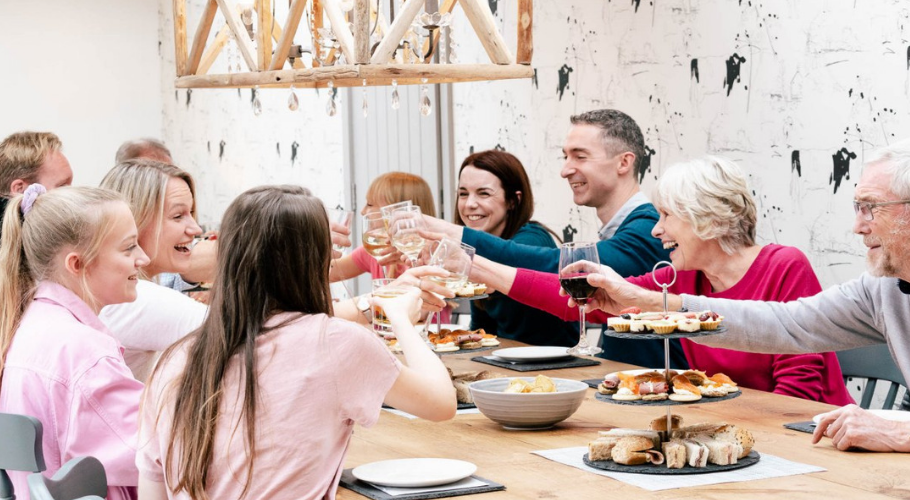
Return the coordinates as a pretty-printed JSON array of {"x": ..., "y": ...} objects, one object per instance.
[{"x": 494, "y": 196}]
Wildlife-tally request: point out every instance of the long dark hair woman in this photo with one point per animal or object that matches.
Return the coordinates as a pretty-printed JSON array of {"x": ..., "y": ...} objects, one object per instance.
[
  {"x": 494, "y": 196},
  {"x": 269, "y": 360}
]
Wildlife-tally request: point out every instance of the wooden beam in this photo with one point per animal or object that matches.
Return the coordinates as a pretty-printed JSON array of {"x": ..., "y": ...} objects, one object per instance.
[
  {"x": 202, "y": 35},
  {"x": 525, "y": 50},
  {"x": 180, "y": 36},
  {"x": 264, "y": 32},
  {"x": 211, "y": 53},
  {"x": 396, "y": 31},
  {"x": 316, "y": 12},
  {"x": 352, "y": 75},
  {"x": 285, "y": 39},
  {"x": 240, "y": 34},
  {"x": 481, "y": 19},
  {"x": 277, "y": 34},
  {"x": 340, "y": 28},
  {"x": 361, "y": 32}
]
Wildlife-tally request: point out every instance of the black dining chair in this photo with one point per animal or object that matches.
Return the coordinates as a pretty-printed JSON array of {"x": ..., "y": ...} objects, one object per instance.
[
  {"x": 82, "y": 478},
  {"x": 21, "y": 449},
  {"x": 873, "y": 363}
]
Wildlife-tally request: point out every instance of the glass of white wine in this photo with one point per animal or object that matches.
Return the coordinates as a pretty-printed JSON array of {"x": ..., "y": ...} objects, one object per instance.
[
  {"x": 405, "y": 225},
  {"x": 454, "y": 257}
]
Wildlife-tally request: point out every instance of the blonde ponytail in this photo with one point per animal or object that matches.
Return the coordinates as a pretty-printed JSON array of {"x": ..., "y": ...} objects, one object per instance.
[{"x": 16, "y": 283}]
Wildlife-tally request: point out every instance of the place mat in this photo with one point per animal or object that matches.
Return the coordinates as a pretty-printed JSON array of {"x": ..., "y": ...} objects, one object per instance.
[
  {"x": 368, "y": 490},
  {"x": 650, "y": 336},
  {"x": 769, "y": 466},
  {"x": 807, "y": 426},
  {"x": 572, "y": 362},
  {"x": 462, "y": 351},
  {"x": 662, "y": 469},
  {"x": 606, "y": 398}
]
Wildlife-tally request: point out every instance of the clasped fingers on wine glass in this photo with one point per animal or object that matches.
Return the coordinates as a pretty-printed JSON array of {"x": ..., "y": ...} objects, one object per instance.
[
  {"x": 576, "y": 261},
  {"x": 454, "y": 257}
]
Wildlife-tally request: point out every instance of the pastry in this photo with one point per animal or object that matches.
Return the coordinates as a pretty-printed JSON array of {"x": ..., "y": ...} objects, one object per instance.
[{"x": 683, "y": 390}]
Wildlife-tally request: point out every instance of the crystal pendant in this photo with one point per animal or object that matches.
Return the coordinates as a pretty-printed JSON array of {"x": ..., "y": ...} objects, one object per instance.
[
  {"x": 257, "y": 104},
  {"x": 396, "y": 101},
  {"x": 426, "y": 107},
  {"x": 293, "y": 103},
  {"x": 364, "y": 106},
  {"x": 331, "y": 108}
]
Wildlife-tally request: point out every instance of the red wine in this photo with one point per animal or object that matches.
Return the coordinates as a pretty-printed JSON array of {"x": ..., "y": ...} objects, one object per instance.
[{"x": 578, "y": 288}]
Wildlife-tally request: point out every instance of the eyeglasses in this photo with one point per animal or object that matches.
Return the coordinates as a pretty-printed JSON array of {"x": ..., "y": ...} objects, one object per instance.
[{"x": 865, "y": 208}]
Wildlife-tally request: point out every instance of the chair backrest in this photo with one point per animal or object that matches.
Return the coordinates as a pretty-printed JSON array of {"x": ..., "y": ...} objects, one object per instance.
[
  {"x": 81, "y": 477},
  {"x": 20, "y": 448},
  {"x": 873, "y": 363}
]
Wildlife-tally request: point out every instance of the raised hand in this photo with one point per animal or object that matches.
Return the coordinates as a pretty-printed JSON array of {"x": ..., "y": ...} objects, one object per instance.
[
  {"x": 432, "y": 293},
  {"x": 402, "y": 307}
]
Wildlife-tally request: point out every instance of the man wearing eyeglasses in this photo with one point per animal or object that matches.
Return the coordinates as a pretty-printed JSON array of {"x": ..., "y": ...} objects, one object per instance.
[{"x": 872, "y": 309}]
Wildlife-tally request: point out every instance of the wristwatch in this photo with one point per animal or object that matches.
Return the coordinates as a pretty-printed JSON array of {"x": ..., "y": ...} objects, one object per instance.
[{"x": 363, "y": 305}]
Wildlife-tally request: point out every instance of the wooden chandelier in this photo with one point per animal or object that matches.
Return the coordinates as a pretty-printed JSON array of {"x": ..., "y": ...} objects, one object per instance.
[{"x": 269, "y": 65}]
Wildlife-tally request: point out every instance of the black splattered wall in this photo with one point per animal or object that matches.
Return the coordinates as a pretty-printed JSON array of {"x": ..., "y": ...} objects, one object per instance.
[{"x": 796, "y": 92}]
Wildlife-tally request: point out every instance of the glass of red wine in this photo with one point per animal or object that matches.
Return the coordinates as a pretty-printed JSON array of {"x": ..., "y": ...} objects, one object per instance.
[{"x": 576, "y": 261}]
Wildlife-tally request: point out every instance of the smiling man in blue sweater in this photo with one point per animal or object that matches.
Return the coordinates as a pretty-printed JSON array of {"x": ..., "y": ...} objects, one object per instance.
[{"x": 603, "y": 157}]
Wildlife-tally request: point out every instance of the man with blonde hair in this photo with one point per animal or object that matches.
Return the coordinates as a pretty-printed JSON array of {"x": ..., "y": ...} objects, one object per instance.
[{"x": 31, "y": 157}]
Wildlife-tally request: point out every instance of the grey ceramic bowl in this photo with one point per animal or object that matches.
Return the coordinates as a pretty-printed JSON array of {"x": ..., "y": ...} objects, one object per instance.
[{"x": 530, "y": 410}]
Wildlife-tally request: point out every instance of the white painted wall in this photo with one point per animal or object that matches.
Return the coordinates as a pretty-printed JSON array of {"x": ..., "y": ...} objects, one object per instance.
[
  {"x": 215, "y": 135},
  {"x": 86, "y": 70},
  {"x": 818, "y": 76}
]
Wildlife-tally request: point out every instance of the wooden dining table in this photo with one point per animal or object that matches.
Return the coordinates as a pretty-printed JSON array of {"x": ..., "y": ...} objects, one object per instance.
[{"x": 505, "y": 456}]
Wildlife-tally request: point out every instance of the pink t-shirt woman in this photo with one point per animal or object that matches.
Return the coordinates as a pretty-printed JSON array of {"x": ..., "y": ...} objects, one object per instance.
[{"x": 317, "y": 377}]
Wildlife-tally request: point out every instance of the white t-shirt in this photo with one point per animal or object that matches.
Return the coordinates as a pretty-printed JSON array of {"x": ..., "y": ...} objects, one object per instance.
[{"x": 157, "y": 318}]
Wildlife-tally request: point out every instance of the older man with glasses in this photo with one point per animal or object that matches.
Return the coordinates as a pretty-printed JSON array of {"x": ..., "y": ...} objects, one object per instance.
[{"x": 872, "y": 309}]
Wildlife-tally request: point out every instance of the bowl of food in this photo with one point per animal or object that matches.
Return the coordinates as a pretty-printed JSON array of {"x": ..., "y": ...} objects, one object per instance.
[{"x": 528, "y": 402}]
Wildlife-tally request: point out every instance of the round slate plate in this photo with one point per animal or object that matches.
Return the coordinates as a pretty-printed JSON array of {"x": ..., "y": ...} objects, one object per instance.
[
  {"x": 667, "y": 402},
  {"x": 609, "y": 465},
  {"x": 678, "y": 335}
]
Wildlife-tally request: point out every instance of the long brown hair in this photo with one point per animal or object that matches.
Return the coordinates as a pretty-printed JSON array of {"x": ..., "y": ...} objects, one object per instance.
[
  {"x": 511, "y": 174},
  {"x": 273, "y": 256},
  {"x": 70, "y": 217}
]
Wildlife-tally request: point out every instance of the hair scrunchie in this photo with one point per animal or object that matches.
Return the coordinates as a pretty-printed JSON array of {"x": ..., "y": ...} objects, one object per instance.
[{"x": 29, "y": 196}]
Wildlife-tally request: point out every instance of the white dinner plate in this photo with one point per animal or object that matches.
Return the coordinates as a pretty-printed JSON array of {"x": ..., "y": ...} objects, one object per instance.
[
  {"x": 532, "y": 353},
  {"x": 414, "y": 472},
  {"x": 896, "y": 415}
]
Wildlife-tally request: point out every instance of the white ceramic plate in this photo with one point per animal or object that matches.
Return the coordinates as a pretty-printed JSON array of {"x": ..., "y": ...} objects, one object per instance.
[
  {"x": 414, "y": 472},
  {"x": 532, "y": 354},
  {"x": 896, "y": 415}
]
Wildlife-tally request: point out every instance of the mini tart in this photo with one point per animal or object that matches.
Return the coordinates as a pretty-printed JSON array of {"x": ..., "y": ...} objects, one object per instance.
[
  {"x": 465, "y": 291},
  {"x": 663, "y": 326},
  {"x": 709, "y": 325},
  {"x": 480, "y": 289},
  {"x": 619, "y": 324}
]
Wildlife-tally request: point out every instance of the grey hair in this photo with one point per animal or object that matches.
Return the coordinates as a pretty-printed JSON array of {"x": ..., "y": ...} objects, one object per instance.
[
  {"x": 143, "y": 148},
  {"x": 712, "y": 194},
  {"x": 618, "y": 131},
  {"x": 897, "y": 158}
]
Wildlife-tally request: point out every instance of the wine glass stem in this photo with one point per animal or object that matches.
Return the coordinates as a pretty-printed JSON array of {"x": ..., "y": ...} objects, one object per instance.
[{"x": 582, "y": 333}]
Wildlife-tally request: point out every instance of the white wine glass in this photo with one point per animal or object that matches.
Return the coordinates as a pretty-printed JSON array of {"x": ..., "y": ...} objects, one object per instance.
[
  {"x": 576, "y": 261},
  {"x": 405, "y": 226},
  {"x": 375, "y": 235},
  {"x": 454, "y": 257}
]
